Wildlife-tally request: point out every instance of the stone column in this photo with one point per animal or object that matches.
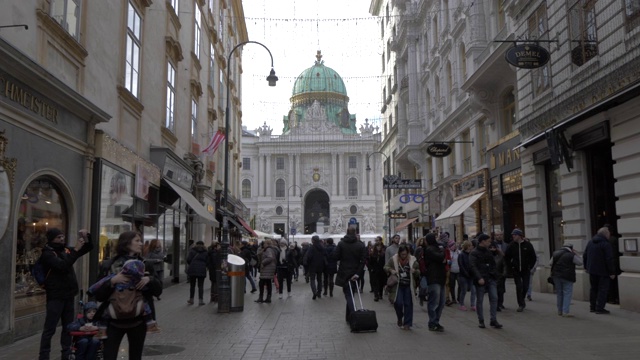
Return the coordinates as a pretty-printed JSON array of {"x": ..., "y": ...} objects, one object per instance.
[
  {"x": 340, "y": 174},
  {"x": 268, "y": 179},
  {"x": 259, "y": 178},
  {"x": 334, "y": 174}
]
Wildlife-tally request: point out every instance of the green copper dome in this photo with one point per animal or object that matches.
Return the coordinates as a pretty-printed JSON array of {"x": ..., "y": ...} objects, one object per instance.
[
  {"x": 319, "y": 78},
  {"x": 319, "y": 94}
]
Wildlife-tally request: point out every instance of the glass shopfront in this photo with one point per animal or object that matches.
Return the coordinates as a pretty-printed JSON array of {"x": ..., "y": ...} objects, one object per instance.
[
  {"x": 121, "y": 210},
  {"x": 42, "y": 207}
]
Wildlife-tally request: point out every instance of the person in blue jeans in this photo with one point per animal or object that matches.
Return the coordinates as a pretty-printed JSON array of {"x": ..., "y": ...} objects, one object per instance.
[
  {"x": 485, "y": 275},
  {"x": 466, "y": 278},
  {"x": 436, "y": 277},
  {"x": 406, "y": 268},
  {"x": 563, "y": 271}
]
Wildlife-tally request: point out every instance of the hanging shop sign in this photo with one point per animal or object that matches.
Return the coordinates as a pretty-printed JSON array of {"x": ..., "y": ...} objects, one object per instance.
[
  {"x": 416, "y": 198},
  {"x": 527, "y": 56},
  {"x": 439, "y": 150}
]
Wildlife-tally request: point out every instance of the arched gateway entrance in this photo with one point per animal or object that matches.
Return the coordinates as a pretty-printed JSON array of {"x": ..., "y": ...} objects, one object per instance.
[{"x": 316, "y": 212}]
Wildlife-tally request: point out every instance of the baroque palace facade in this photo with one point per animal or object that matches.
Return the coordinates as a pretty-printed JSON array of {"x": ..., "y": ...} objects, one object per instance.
[
  {"x": 549, "y": 150},
  {"x": 105, "y": 108},
  {"x": 313, "y": 178}
]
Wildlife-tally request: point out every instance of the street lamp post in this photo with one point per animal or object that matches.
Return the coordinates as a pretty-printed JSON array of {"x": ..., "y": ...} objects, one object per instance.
[
  {"x": 288, "y": 228},
  {"x": 388, "y": 193},
  {"x": 224, "y": 288}
]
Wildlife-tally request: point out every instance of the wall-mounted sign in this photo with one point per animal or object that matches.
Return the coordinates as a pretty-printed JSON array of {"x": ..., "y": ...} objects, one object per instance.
[
  {"x": 395, "y": 215},
  {"x": 527, "y": 56},
  {"x": 439, "y": 150},
  {"x": 395, "y": 182}
]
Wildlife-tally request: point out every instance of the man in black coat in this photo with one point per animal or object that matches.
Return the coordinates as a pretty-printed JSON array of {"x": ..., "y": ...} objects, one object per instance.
[
  {"x": 351, "y": 255},
  {"x": 485, "y": 276},
  {"x": 598, "y": 262},
  {"x": 61, "y": 287},
  {"x": 520, "y": 259}
]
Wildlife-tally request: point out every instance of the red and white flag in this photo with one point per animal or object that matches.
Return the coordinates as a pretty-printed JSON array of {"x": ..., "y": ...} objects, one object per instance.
[{"x": 216, "y": 140}]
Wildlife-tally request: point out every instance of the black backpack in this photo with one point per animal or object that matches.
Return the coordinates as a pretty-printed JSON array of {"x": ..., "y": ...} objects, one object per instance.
[{"x": 39, "y": 273}]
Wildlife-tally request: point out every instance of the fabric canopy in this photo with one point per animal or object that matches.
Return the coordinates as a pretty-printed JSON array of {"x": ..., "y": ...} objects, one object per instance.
[
  {"x": 194, "y": 204},
  {"x": 405, "y": 223},
  {"x": 459, "y": 206},
  {"x": 247, "y": 227}
]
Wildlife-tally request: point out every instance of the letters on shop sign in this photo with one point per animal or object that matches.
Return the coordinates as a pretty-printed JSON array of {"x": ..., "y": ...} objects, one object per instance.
[
  {"x": 34, "y": 103},
  {"x": 504, "y": 157}
]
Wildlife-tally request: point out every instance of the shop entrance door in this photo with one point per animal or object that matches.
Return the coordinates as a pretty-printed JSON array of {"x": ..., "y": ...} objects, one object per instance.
[
  {"x": 601, "y": 182},
  {"x": 513, "y": 212},
  {"x": 603, "y": 201}
]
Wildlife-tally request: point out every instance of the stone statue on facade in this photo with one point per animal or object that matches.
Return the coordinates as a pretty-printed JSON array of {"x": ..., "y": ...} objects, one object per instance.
[{"x": 368, "y": 224}]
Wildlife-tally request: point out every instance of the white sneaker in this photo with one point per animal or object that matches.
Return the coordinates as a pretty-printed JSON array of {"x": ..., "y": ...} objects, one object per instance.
[
  {"x": 279, "y": 296},
  {"x": 289, "y": 294}
]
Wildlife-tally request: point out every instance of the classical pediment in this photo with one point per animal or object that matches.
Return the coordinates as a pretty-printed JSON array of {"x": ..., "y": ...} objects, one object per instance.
[{"x": 314, "y": 121}]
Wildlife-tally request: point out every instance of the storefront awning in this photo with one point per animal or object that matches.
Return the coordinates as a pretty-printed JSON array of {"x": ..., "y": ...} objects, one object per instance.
[
  {"x": 237, "y": 225},
  {"x": 405, "y": 223},
  {"x": 459, "y": 206},
  {"x": 194, "y": 204},
  {"x": 246, "y": 226}
]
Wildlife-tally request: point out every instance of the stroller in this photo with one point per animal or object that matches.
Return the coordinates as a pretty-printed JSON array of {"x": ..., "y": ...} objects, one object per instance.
[{"x": 77, "y": 335}]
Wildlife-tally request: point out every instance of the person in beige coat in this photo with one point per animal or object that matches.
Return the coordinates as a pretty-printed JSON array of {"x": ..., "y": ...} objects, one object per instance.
[
  {"x": 268, "y": 262},
  {"x": 407, "y": 270}
]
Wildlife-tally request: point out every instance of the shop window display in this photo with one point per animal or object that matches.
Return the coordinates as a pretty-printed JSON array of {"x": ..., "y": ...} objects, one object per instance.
[
  {"x": 42, "y": 207},
  {"x": 116, "y": 200}
]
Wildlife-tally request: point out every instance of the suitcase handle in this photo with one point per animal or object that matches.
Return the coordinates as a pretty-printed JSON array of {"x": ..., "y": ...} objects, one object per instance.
[{"x": 355, "y": 308}]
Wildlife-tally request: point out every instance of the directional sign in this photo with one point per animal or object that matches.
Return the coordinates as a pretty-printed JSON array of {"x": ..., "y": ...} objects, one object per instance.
[
  {"x": 293, "y": 231},
  {"x": 395, "y": 182},
  {"x": 353, "y": 221}
]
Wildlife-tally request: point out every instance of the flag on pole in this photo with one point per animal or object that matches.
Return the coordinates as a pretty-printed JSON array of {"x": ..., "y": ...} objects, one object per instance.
[{"x": 216, "y": 140}]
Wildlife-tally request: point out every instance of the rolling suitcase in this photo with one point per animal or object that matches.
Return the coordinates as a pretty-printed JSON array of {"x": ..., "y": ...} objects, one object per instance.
[{"x": 361, "y": 320}]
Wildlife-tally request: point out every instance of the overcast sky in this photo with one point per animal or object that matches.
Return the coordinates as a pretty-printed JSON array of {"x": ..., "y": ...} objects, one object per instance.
[{"x": 293, "y": 30}]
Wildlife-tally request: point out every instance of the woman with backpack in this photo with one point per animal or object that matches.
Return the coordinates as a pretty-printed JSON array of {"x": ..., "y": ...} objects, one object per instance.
[
  {"x": 198, "y": 261},
  {"x": 128, "y": 247}
]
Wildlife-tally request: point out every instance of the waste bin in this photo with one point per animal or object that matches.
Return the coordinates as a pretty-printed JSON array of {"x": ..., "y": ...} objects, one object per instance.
[{"x": 236, "y": 281}]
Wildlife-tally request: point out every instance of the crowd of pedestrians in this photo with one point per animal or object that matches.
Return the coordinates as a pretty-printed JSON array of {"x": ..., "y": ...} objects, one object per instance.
[{"x": 436, "y": 270}]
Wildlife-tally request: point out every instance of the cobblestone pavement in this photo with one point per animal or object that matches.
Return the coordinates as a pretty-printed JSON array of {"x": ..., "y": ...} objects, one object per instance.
[{"x": 298, "y": 327}]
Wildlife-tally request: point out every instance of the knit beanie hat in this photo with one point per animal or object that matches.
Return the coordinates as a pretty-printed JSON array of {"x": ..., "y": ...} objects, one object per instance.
[
  {"x": 53, "y": 233},
  {"x": 90, "y": 305}
]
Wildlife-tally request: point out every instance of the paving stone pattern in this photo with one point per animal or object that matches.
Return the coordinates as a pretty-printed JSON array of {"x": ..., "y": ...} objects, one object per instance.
[{"x": 298, "y": 327}]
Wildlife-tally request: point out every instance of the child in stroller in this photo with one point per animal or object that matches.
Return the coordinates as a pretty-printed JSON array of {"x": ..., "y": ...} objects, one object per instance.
[{"x": 85, "y": 346}]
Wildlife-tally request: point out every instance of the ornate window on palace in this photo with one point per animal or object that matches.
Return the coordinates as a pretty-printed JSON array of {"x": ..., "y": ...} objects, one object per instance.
[
  {"x": 353, "y": 162},
  {"x": 280, "y": 188},
  {"x": 246, "y": 189},
  {"x": 353, "y": 187}
]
